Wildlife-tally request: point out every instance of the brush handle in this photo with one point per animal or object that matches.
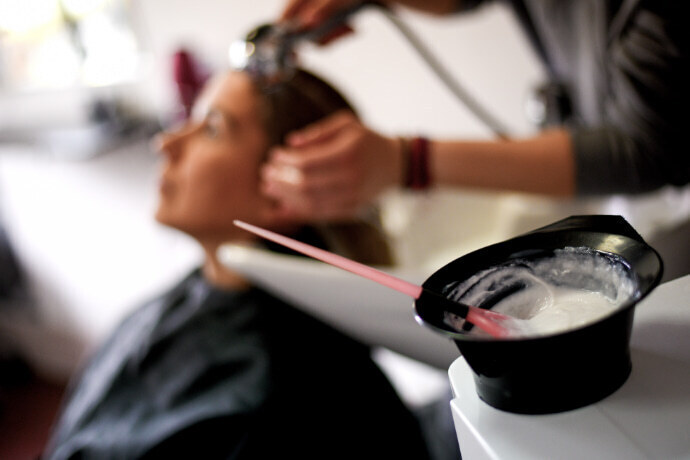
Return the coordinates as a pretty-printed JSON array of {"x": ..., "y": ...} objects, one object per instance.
[
  {"x": 484, "y": 319},
  {"x": 373, "y": 274}
]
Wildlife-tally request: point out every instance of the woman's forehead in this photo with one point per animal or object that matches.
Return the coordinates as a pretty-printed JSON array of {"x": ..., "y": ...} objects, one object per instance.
[{"x": 231, "y": 92}]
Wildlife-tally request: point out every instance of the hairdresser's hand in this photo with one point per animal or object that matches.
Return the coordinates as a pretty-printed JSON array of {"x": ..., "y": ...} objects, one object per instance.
[
  {"x": 331, "y": 169},
  {"x": 309, "y": 14}
]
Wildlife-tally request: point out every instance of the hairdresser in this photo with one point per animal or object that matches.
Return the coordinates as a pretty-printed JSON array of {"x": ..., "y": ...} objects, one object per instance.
[{"x": 617, "y": 108}]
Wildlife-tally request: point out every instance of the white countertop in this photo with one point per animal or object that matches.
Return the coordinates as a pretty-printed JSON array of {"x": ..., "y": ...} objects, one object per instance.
[{"x": 647, "y": 418}]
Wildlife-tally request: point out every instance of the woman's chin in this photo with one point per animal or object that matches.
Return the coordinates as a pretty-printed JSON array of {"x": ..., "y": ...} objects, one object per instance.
[
  {"x": 165, "y": 218},
  {"x": 160, "y": 217}
]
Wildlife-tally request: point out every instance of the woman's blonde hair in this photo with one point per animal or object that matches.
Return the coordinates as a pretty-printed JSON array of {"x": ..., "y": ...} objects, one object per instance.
[{"x": 294, "y": 104}]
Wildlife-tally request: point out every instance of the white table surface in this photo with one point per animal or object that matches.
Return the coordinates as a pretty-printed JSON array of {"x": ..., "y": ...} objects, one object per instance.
[{"x": 647, "y": 418}]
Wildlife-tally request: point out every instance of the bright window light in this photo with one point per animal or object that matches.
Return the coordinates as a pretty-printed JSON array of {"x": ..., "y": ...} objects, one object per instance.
[{"x": 21, "y": 17}]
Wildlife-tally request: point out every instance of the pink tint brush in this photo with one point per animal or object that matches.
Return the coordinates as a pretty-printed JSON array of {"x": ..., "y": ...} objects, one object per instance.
[{"x": 487, "y": 320}]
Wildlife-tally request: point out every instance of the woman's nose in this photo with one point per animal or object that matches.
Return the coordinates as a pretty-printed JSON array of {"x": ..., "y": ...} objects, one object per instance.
[
  {"x": 160, "y": 142},
  {"x": 169, "y": 142}
]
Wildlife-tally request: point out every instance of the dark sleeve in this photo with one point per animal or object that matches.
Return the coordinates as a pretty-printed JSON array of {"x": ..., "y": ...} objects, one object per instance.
[{"x": 638, "y": 146}]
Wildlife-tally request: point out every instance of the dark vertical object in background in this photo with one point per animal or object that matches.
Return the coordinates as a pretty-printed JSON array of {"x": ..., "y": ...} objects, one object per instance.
[{"x": 188, "y": 78}]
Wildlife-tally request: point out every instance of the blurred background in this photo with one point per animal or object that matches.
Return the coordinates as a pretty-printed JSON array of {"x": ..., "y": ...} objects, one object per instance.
[{"x": 85, "y": 83}]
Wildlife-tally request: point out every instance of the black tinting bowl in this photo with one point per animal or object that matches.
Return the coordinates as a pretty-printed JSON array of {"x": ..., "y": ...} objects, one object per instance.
[{"x": 562, "y": 371}]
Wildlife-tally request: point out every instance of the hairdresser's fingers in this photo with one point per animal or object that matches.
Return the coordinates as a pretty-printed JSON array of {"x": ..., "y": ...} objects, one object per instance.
[
  {"x": 369, "y": 161},
  {"x": 323, "y": 193},
  {"x": 301, "y": 13},
  {"x": 337, "y": 187},
  {"x": 347, "y": 146},
  {"x": 339, "y": 162},
  {"x": 279, "y": 181},
  {"x": 316, "y": 171},
  {"x": 325, "y": 206},
  {"x": 308, "y": 14},
  {"x": 321, "y": 11},
  {"x": 335, "y": 199},
  {"x": 315, "y": 158},
  {"x": 292, "y": 10},
  {"x": 335, "y": 34}
]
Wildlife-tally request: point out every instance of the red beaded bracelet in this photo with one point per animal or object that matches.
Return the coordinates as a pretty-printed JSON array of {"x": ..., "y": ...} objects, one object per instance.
[{"x": 417, "y": 175}]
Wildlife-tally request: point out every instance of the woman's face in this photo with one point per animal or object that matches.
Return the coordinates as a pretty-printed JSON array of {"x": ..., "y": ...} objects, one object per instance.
[{"x": 211, "y": 171}]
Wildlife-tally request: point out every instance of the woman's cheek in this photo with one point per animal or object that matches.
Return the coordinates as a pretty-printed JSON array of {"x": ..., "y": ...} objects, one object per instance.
[{"x": 237, "y": 190}]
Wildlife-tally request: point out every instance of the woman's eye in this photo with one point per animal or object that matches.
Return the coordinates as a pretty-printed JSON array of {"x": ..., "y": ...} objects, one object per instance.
[{"x": 211, "y": 130}]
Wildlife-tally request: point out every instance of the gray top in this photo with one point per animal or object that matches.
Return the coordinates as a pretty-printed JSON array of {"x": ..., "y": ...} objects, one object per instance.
[{"x": 624, "y": 64}]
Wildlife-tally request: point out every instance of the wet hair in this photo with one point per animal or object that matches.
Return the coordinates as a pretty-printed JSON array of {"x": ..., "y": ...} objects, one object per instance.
[
  {"x": 298, "y": 102},
  {"x": 294, "y": 104}
]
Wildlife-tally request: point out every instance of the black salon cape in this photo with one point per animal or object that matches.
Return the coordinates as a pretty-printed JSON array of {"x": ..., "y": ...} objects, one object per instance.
[{"x": 205, "y": 373}]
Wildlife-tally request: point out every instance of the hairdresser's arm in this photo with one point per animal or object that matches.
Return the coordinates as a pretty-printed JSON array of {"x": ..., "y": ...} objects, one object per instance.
[
  {"x": 334, "y": 167},
  {"x": 543, "y": 164}
]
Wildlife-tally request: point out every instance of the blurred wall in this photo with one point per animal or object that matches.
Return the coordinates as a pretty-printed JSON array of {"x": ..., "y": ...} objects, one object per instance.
[{"x": 375, "y": 67}]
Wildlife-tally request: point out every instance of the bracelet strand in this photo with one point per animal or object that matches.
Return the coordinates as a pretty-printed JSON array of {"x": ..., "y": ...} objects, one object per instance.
[{"x": 417, "y": 174}]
